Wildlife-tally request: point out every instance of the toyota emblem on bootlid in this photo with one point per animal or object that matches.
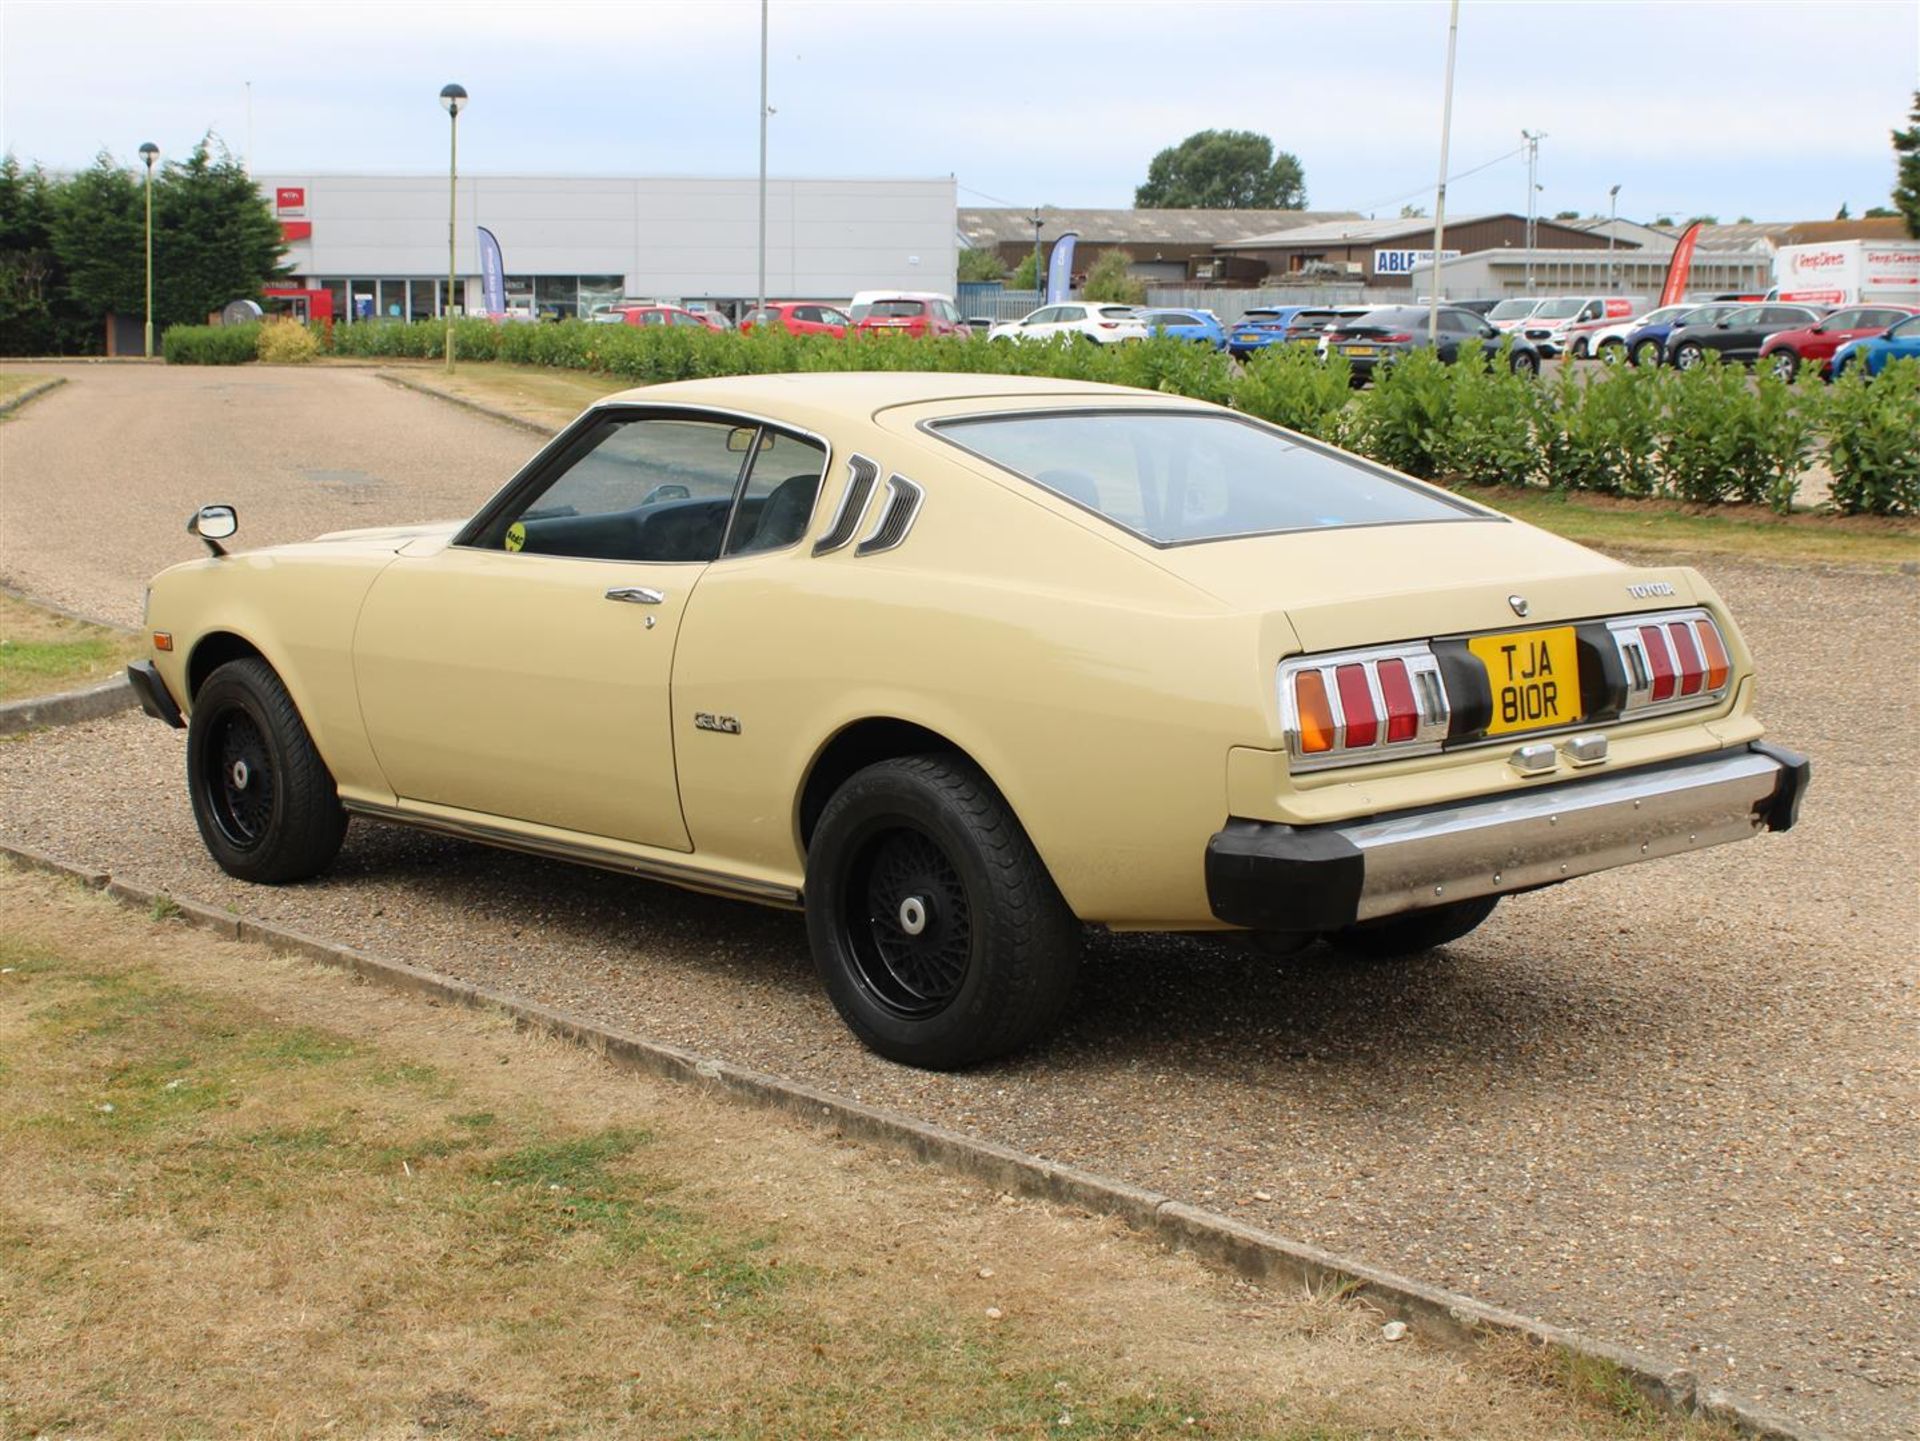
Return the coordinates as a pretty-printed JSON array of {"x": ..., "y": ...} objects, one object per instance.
[{"x": 1519, "y": 604}]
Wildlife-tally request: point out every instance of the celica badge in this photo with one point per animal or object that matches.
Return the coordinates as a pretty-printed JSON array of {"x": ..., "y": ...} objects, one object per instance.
[
  {"x": 1519, "y": 604},
  {"x": 725, "y": 724}
]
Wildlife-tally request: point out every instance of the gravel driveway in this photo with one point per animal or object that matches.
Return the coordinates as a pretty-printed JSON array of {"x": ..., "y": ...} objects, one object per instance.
[{"x": 1674, "y": 1106}]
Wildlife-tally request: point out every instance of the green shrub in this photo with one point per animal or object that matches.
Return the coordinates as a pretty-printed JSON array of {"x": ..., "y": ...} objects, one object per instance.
[
  {"x": 1604, "y": 435},
  {"x": 210, "y": 344},
  {"x": 1873, "y": 440},
  {"x": 286, "y": 342},
  {"x": 1402, "y": 420},
  {"x": 1291, "y": 386},
  {"x": 1728, "y": 438},
  {"x": 1110, "y": 280},
  {"x": 1491, "y": 433}
]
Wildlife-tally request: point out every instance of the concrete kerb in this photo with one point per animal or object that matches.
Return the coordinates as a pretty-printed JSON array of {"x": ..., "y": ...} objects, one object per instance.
[
  {"x": 505, "y": 417},
  {"x": 1438, "y": 1315},
  {"x": 104, "y": 699},
  {"x": 32, "y": 392}
]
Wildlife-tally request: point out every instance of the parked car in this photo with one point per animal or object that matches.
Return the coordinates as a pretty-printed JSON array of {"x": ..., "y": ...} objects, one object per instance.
[
  {"x": 1737, "y": 336},
  {"x": 1260, "y": 327},
  {"x": 1565, "y": 325},
  {"x": 1391, "y": 332},
  {"x": 799, "y": 317},
  {"x": 1648, "y": 344},
  {"x": 916, "y": 315},
  {"x": 1784, "y": 352},
  {"x": 1200, "y": 326},
  {"x": 1609, "y": 342},
  {"x": 1084, "y": 319},
  {"x": 656, "y": 315},
  {"x": 1512, "y": 313},
  {"x": 1876, "y": 352},
  {"x": 957, "y": 663}
]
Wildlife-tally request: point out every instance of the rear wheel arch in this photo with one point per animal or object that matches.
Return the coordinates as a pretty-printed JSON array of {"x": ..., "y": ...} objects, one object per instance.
[{"x": 855, "y": 747}]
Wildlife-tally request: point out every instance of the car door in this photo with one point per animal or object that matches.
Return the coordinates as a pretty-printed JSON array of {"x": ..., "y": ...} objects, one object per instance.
[{"x": 524, "y": 671}]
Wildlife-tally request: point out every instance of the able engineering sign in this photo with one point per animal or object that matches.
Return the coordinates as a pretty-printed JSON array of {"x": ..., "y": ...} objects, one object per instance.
[{"x": 1405, "y": 262}]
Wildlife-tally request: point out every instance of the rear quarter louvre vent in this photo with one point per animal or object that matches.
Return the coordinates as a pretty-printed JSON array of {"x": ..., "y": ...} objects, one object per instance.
[
  {"x": 861, "y": 474},
  {"x": 896, "y": 516}
]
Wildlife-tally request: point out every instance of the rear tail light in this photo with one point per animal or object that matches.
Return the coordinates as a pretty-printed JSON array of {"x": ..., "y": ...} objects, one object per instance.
[
  {"x": 1363, "y": 705},
  {"x": 1672, "y": 661},
  {"x": 1399, "y": 337},
  {"x": 1109, "y": 324}
]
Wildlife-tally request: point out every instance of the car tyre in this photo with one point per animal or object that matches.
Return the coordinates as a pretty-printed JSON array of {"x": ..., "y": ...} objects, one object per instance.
[
  {"x": 1783, "y": 364},
  {"x": 940, "y": 937},
  {"x": 1688, "y": 356},
  {"x": 1611, "y": 352},
  {"x": 1408, "y": 935},
  {"x": 1647, "y": 353},
  {"x": 263, "y": 798},
  {"x": 1525, "y": 364}
]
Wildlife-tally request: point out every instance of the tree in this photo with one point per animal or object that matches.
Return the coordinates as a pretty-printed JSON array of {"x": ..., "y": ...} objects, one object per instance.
[
  {"x": 1566, "y": 215},
  {"x": 1413, "y": 212},
  {"x": 1879, "y": 212},
  {"x": 29, "y": 272},
  {"x": 1109, "y": 280},
  {"x": 980, "y": 265},
  {"x": 1026, "y": 274},
  {"x": 220, "y": 239},
  {"x": 1843, "y": 213},
  {"x": 1223, "y": 170},
  {"x": 99, "y": 234},
  {"x": 1906, "y": 188}
]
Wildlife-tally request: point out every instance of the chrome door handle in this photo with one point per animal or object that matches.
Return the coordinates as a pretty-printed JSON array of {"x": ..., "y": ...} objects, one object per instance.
[{"x": 637, "y": 594}]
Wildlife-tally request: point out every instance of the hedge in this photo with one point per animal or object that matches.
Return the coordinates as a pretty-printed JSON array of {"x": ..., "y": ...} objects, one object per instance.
[
  {"x": 210, "y": 344},
  {"x": 1708, "y": 435}
]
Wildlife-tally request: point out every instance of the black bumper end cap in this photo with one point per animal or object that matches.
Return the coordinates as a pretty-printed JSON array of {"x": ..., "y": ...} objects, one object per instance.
[
  {"x": 152, "y": 691},
  {"x": 1782, "y": 808},
  {"x": 1272, "y": 877}
]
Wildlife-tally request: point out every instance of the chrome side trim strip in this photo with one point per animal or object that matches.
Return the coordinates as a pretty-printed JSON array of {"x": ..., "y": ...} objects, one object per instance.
[
  {"x": 896, "y": 517},
  {"x": 1536, "y": 837},
  {"x": 862, "y": 472},
  {"x": 691, "y": 878}
]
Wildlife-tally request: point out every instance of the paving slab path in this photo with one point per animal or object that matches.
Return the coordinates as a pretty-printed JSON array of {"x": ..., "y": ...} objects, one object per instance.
[{"x": 1673, "y": 1106}]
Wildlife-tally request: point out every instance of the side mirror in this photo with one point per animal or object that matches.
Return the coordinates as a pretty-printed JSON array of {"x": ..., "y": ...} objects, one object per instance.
[{"x": 213, "y": 524}]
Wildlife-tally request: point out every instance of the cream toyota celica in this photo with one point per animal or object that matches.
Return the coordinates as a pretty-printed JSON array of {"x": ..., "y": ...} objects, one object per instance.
[{"x": 960, "y": 663}]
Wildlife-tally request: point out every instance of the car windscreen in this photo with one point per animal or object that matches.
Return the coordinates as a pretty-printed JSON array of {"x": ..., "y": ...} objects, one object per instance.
[
  {"x": 1174, "y": 477},
  {"x": 1512, "y": 310},
  {"x": 1557, "y": 310}
]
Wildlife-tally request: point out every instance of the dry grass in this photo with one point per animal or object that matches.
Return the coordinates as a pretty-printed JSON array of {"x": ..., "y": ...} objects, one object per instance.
[
  {"x": 545, "y": 395},
  {"x": 12, "y": 382},
  {"x": 246, "y": 1196},
  {"x": 1682, "y": 532},
  {"x": 43, "y": 652}
]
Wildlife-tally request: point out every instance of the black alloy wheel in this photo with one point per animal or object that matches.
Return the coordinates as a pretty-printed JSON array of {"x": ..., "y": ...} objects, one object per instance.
[
  {"x": 262, "y": 796},
  {"x": 936, "y": 930}
]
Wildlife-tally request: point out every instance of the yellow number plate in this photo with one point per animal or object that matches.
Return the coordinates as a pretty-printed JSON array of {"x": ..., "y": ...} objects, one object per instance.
[{"x": 1535, "y": 675}]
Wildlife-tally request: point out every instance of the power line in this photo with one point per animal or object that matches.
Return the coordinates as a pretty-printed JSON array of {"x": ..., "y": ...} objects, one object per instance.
[{"x": 1460, "y": 175}]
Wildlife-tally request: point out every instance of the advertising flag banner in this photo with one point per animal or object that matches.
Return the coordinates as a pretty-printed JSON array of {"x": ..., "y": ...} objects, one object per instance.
[
  {"x": 493, "y": 273},
  {"x": 1678, "y": 267},
  {"x": 1060, "y": 268}
]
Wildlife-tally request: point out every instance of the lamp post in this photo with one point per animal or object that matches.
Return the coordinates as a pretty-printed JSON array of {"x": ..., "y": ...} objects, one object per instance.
[
  {"x": 1613, "y": 211},
  {"x": 453, "y": 97},
  {"x": 1440, "y": 190},
  {"x": 1039, "y": 285},
  {"x": 149, "y": 152}
]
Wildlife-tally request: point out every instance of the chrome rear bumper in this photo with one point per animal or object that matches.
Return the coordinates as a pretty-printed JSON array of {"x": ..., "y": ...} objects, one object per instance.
[{"x": 1318, "y": 878}]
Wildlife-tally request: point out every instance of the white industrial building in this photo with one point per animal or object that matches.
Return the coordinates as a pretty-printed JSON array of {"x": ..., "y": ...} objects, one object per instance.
[{"x": 378, "y": 243}]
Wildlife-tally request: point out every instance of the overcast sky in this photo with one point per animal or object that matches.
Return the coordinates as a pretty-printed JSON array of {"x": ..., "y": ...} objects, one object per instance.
[{"x": 1779, "y": 111}]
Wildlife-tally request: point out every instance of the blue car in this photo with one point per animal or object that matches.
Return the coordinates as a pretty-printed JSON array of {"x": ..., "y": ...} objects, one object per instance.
[
  {"x": 1902, "y": 342},
  {"x": 1258, "y": 329},
  {"x": 1648, "y": 344},
  {"x": 1197, "y": 325}
]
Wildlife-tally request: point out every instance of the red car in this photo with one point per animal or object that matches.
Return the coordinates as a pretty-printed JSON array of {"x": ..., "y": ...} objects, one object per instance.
[
  {"x": 1784, "y": 353},
  {"x": 664, "y": 315},
  {"x": 910, "y": 315},
  {"x": 800, "y": 317}
]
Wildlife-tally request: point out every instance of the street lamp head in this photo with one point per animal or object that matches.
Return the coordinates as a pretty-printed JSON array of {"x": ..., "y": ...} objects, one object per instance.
[
  {"x": 149, "y": 153},
  {"x": 454, "y": 97},
  {"x": 1614, "y": 190}
]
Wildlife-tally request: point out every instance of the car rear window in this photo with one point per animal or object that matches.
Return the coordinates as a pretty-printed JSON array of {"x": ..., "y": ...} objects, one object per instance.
[
  {"x": 1176, "y": 477},
  {"x": 897, "y": 309},
  {"x": 1124, "y": 312}
]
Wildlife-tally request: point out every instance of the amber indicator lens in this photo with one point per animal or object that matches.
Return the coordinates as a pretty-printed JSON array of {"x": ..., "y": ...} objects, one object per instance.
[
  {"x": 1316, "y": 716},
  {"x": 1715, "y": 651},
  {"x": 163, "y": 640}
]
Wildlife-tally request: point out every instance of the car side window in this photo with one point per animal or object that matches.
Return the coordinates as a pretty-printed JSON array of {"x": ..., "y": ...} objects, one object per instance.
[
  {"x": 681, "y": 317},
  {"x": 808, "y": 313},
  {"x": 777, "y": 501},
  {"x": 642, "y": 489},
  {"x": 830, "y": 316}
]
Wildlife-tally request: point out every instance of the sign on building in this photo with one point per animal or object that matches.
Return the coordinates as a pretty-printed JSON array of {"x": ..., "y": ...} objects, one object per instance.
[
  {"x": 1405, "y": 262},
  {"x": 290, "y": 202}
]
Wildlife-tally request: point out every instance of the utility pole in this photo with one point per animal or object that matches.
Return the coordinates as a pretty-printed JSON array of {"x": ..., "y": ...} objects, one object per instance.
[
  {"x": 763, "y": 155},
  {"x": 1613, "y": 213},
  {"x": 1440, "y": 191},
  {"x": 1533, "y": 139},
  {"x": 1039, "y": 282}
]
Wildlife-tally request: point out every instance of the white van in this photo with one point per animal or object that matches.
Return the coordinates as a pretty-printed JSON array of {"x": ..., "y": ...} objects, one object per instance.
[{"x": 1566, "y": 324}]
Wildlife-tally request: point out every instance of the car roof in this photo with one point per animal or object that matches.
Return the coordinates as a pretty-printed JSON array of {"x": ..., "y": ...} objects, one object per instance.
[{"x": 819, "y": 396}]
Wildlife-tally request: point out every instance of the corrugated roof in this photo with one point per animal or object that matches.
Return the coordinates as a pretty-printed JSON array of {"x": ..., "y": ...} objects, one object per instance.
[
  {"x": 996, "y": 226},
  {"x": 1357, "y": 228}
]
